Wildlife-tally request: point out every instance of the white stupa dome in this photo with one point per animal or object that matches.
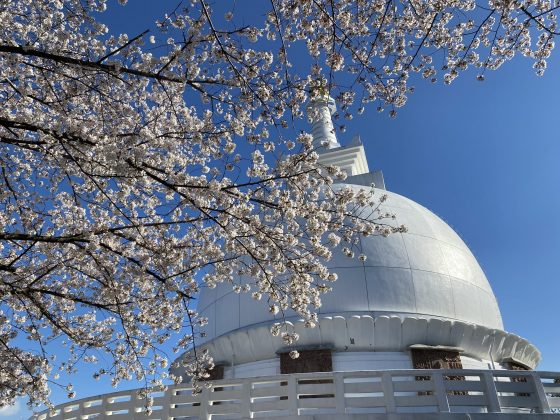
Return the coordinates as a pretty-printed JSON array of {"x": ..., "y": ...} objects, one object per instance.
[
  {"x": 427, "y": 272},
  {"x": 423, "y": 287}
]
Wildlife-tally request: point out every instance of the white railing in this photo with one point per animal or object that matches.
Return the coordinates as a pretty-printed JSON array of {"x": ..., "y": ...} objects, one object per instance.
[{"x": 391, "y": 391}]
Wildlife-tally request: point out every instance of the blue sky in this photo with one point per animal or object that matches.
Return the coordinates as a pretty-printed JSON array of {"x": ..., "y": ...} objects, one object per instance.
[{"x": 484, "y": 156}]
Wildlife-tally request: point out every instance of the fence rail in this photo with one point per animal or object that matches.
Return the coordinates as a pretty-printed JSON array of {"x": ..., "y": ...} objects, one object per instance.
[{"x": 391, "y": 391}]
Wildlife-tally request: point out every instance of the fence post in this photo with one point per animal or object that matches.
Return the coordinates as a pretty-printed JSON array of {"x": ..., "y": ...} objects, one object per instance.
[
  {"x": 493, "y": 402},
  {"x": 292, "y": 395},
  {"x": 106, "y": 401},
  {"x": 388, "y": 392},
  {"x": 204, "y": 401},
  {"x": 165, "y": 402},
  {"x": 80, "y": 411},
  {"x": 246, "y": 399},
  {"x": 338, "y": 379},
  {"x": 440, "y": 391},
  {"x": 542, "y": 401}
]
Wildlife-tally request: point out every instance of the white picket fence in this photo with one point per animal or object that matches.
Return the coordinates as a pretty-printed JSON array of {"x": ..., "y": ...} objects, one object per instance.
[{"x": 391, "y": 391}]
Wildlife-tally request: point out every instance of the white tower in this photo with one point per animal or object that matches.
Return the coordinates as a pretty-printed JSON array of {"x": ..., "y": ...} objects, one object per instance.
[{"x": 320, "y": 111}]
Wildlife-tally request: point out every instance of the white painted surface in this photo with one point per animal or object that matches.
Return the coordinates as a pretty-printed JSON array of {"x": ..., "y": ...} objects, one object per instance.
[
  {"x": 339, "y": 393},
  {"x": 364, "y": 333},
  {"x": 428, "y": 272},
  {"x": 322, "y": 129},
  {"x": 342, "y": 362},
  {"x": 350, "y": 158},
  {"x": 472, "y": 363},
  {"x": 268, "y": 367},
  {"x": 362, "y": 361}
]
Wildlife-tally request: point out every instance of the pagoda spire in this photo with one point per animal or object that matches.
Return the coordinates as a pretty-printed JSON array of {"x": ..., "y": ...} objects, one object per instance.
[
  {"x": 320, "y": 110},
  {"x": 351, "y": 157}
]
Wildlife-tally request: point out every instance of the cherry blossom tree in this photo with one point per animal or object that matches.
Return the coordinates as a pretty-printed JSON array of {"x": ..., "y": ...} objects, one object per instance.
[{"x": 134, "y": 172}]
